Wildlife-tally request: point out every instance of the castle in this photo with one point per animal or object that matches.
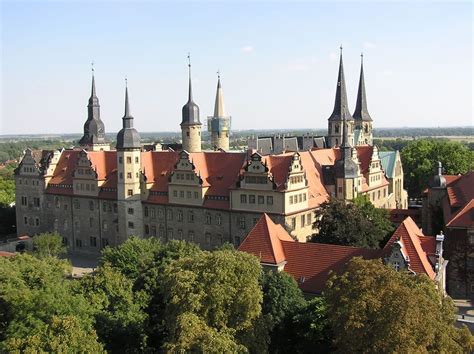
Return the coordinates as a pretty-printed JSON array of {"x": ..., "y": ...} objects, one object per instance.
[{"x": 95, "y": 196}]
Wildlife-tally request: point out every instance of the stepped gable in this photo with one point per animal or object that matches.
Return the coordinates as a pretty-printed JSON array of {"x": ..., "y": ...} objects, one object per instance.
[
  {"x": 264, "y": 241},
  {"x": 413, "y": 240}
]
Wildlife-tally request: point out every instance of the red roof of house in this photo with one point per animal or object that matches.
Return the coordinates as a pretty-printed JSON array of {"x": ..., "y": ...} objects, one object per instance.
[
  {"x": 460, "y": 189},
  {"x": 464, "y": 218},
  {"x": 413, "y": 240},
  {"x": 218, "y": 170},
  {"x": 265, "y": 238},
  {"x": 6, "y": 254},
  {"x": 308, "y": 263}
]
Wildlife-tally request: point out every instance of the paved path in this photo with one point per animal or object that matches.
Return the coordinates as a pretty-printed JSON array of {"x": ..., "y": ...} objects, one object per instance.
[{"x": 82, "y": 264}]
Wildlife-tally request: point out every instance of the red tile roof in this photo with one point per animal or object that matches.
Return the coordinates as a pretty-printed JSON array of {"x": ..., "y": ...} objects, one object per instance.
[
  {"x": 6, "y": 254},
  {"x": 460, "y": 189},
  {"x": 219, "y": 171},
  {"x": 265, "y": 238},
  {"x": 308, "y": 263},
  {"x": 413, "y": 240},
  {"x": 464, "y": 218}
]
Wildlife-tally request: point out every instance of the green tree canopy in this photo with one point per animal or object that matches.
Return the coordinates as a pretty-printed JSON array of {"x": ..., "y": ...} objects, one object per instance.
[
  {"x": 419, "y": 159},
  {"x": 48, "y": 244},
  {"x": 38, "y": 309},
  {"x": 217, "y": 289},
  {"x": 374, "y": 309},
  {"x": 357, "y": 224}
]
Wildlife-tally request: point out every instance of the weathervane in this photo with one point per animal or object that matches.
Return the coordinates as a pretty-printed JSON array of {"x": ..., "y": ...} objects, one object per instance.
[{"x": 218, "y": 74}]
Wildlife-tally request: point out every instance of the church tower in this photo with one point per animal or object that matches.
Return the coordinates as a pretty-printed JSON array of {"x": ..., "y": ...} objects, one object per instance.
[
  {"x": 362, "y": 119},
  {"x": 191, "y": 125},
  {"x": 94, "y": 129},
  {"x": 219, "y": 125},
  {"x": 128, "y": 179},
  {"x": 335, "y": 121},
  {"x": 347, "y": 170}
]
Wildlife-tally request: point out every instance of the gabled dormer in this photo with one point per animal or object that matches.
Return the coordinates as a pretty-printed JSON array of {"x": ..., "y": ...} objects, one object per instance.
[
  {"x": 397, "y": 258},
  {"x": 296, "y": 186},
  {"x": 296, "y": 175},
  {"x": 85, "y": 176},
  {"x": 375, "y": 174},
  {"x": 256, "y": 174},
  {"x": 185, "y": 183},
  {"x": 29, "y": 164}
]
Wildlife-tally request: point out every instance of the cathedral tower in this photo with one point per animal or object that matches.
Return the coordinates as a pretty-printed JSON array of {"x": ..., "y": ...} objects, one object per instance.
[
  {"x": 219, "y": 125},
  {"x": 362, "y": 119},
  {"x": 94, "y": 129},
  {"x": 191, "y": 125},
  {"x": 128, "y": 179},
  {"x": 341, "y": 111}
]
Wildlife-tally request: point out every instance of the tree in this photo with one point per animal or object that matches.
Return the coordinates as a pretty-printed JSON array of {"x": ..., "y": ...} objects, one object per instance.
[
  {"x": 419, "y": 158},
  {"x": 38, "y": 309},
  {"x": 48, "y": 244},
  {"x": 217, "y": 289},
  {"x": 373, "y": 308},
  {"x": 118, "y": 311},
  {"x": 305, "y": 331},
  {"x": 357, "y": 224}
]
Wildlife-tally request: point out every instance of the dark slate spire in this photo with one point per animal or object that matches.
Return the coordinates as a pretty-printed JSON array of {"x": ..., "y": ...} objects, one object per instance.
[
  {"x": 190, "y": 110},
  {"x": 128, "y": 137},
  {"x": 340, "y": 103},
  {"x": 219, "y": 110},
  {"x": 94, "y": 129},
  {"x": 361, "y": 112}
]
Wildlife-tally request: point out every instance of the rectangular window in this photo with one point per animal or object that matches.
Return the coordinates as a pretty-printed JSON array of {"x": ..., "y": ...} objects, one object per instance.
[
  {"x": 36, "y": 202},
  {"x": 181, "y": 194},
  {"x": 93, "y": 241},
  {"x": 129, "y": 159},
  {"x": 105, "y": 242},
  {"x": 120, "y": 159},
  {"x": 179, "y": 217},
  {"x": 218, "y": 219},
  {"x": 291, "y": 199},
  {"x": 208, "y": 219},
  {"x": 146, "y": 211},
  {"x": 170, "y": 215},
  {"x": 308, "y": 219},
  {"x": 251, "y": 199},
  {"x": 293, "y": 223},
  {"x": 37, "y": 221},
  {"x": 241, "y": 222},
  {"x": 130, "y": 211},
  {"x": 170, "y": 233},
  {"x": 270, "y": 200},
  {"x": 65, "y": 241},
  {"x": 147, "y": 229},
  {"x": 153, "y": 230},
  {"x": 303, "y": 219},
  {"x": 153, "y": 213},
  {"x": 78, "y": 243},
  {"x": 208, "y": 238},
  {"x": 130, "y": 192},
  {"x": 129, "y": 175},
  {"x": 243, "y": 198},
  {"x": 304, "y": 197},
  {"x": 24, "y": 201},
  {"x": 196, "y": 195},
  {"x": 136, "y": 159},
  {"x": 104, "y": 207},
  {"x": 175, "y": 193},
  {"x": 188, "y": 194},
  {"x": 191, "y": 236},
  {"x": 191, "y": 216},
  {"x": 131, "y": 225},
  {"x": 25, "y": 220},
  {"x": 261, "y": 199},
  {"x": 179, "y": 234}
]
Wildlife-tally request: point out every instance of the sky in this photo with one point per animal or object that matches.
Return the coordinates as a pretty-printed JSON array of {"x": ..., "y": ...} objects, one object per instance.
[{"x": 278, "y": 62}]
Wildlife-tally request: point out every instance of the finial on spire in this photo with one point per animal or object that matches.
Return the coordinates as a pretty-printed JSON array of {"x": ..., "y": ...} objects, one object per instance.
[
  {"x": 341, "y": 49},
  {"x": 190, "y": 93},
  {"x": 189, "y": 60},
  {"x": 126, "y": 81},
  {"x": 92, "y": 68},
  {"x": 218, "y": 74}
]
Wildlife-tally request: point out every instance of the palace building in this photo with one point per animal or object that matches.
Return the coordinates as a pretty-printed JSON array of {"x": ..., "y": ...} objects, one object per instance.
[{"x": 96, "y": 196}]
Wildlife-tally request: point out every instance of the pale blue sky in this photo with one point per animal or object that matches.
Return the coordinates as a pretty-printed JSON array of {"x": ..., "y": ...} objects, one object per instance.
[{"x": 278, "y": 62}]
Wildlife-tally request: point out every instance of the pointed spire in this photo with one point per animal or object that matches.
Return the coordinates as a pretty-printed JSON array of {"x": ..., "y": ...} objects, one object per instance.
[
  {"x": 219, "y": 110},
  {"x": 93, "y": 81},
  {"x": 340, "y": 103},
  {"x": 190, "y": 111},
  {"x": 190, "y": 92},
  {"x": 127, "y": 117},
  {"x": 127, "y": 137},
  {"x": 361, "y": 112}
]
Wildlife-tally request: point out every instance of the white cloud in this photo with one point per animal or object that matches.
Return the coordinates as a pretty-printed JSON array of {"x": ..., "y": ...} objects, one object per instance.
[
  {"x": 247, "y": 49},
  {"x": 369, "y": 45}
]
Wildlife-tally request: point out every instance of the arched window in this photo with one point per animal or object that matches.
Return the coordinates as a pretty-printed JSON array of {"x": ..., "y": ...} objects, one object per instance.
[{"x": 336, "y": 128}]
